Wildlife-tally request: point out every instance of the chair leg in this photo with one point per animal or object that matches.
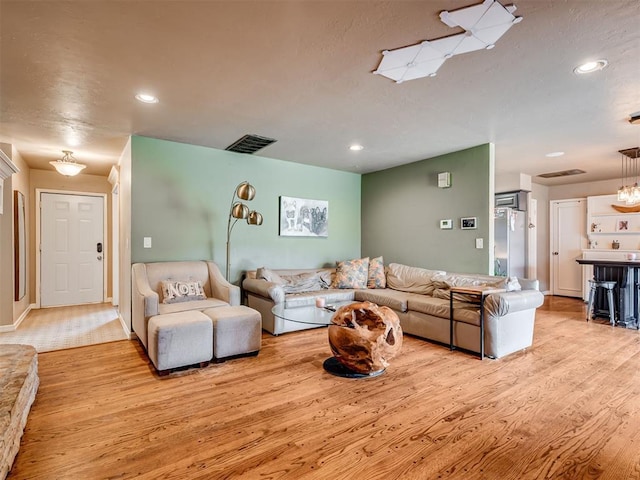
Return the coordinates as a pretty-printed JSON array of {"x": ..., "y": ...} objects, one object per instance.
[
  {"x": 592, "y": 292},
  {"x": 612, "y": 307}
]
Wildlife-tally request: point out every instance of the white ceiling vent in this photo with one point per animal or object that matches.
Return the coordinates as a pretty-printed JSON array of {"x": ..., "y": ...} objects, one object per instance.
[
  {"x": 250, "y": 144},
  {"x": 563, "y": 173}
]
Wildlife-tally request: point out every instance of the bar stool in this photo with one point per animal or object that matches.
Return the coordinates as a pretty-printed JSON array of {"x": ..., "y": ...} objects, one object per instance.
[{"x": 608, "y": 286}]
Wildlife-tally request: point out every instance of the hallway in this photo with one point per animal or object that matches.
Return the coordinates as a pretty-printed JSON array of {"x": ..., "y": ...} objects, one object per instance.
[{"x": 59, "y": 328}]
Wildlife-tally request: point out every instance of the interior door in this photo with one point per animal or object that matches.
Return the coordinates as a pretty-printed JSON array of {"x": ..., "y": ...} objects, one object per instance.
[
  {"x": 568, "y": 239},
  {"x": 72, "y": 249}
]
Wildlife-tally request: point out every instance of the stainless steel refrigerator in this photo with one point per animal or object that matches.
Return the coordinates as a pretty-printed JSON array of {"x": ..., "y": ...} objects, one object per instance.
[{"x": 510, "y": 242}]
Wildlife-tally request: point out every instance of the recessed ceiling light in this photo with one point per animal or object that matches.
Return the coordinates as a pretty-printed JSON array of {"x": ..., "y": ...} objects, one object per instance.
[
  {"x": 554, "y": 154},
  {"x": 356, "y": 147},
  {"x": 589, "y": 67},
  {"x": 146, "y": 98}
]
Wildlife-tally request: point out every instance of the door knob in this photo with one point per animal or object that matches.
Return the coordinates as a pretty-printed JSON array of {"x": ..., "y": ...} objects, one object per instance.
[{"x": 555, "y": 253}]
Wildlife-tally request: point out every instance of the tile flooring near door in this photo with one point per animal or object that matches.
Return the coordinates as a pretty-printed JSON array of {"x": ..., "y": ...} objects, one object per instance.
[{"x": 59, "y": 328}]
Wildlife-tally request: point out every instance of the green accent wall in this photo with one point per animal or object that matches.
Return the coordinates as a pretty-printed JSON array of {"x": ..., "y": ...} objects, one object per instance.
[
  {"x": 402, "y": 208},
  {"x": 181, "y": 196}
]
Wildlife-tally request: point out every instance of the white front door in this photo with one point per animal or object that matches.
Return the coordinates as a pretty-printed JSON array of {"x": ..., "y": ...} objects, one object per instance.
[
  {"x": 72, "y": 249},
  {"x": 568, "y": 239}
]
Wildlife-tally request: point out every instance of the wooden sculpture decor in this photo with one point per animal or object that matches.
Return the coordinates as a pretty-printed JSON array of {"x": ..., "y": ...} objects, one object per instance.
[
  {"x": 627, "y": 208},
  {"x": 364, "y": 337}
]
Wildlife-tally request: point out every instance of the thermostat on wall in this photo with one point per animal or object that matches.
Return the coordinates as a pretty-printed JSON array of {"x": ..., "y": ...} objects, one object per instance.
[
  {"x": 444, "y": 180},
  {"x": 446, "y": 224}
]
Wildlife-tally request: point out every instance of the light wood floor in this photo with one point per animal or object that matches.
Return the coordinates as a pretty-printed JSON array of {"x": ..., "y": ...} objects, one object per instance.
[{"x": 569, "y": 407}]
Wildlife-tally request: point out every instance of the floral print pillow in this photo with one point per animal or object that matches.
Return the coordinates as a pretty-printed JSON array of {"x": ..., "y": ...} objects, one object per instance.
[
  {"x": 352, "y": 274},
  {"x": 376, "y": 277}
]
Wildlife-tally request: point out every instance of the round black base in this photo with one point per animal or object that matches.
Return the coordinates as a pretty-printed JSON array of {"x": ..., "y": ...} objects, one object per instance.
[{"x": 334, "y": 367}]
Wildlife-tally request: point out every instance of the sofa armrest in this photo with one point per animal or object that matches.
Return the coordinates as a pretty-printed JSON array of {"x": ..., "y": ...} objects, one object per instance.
[
  {"x": 222, "y": 289},
  {"x": 142, "y": 291},
  {"x": 144, "y": 301},
  {"x": 501, "y": 304},
  {"x": 265, "y": 289}
]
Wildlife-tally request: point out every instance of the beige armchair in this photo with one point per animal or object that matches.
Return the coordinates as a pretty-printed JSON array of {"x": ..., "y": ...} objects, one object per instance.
[{"x": 146, "y": 291}]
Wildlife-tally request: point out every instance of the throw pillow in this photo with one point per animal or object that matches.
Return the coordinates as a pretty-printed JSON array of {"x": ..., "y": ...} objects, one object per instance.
[
  {"x": 376, "y": 278},
  {"x": 269, "y": 276},
  {"x": 352, "y": 274},
  {"x": 177, "y": 291},
  {"x": 512, "y": 284}
]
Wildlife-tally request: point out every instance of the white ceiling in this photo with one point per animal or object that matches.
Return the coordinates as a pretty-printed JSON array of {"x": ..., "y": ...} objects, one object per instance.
[{"x": 301, "y": 72}]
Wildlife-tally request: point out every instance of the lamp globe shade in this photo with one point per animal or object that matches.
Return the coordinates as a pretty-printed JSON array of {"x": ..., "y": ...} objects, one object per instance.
[
  {"x": 245, "y": 191},
  {"x": 255, "y": 218}
]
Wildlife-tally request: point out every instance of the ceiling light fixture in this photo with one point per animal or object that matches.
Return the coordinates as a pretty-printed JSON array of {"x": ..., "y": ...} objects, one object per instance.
[
  {"x": 635, "y": 119},
  {"x": 67, "y": 165},
  {"x": 356, "y": 147},
  {"x": 590, "y": 67},
  {"x": 554, "y": 154},
  {"x": 483, "y": 25},
  {"x": 630, "y": 194},
  {"x": 146, "y": 98}
]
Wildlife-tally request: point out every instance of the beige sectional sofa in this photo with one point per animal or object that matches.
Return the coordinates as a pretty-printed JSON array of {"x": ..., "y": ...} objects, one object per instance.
[{"x": 419, "y": 296}]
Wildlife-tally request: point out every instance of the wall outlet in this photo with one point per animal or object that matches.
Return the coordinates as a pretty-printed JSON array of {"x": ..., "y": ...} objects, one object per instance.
[
  {"x": 147, "y": 242},
  {"x": 479, "y": 243}
]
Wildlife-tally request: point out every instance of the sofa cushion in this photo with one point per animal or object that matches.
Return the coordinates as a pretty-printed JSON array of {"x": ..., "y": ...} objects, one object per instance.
[
  {"x": 193, "y": 305},
  {"x": 411, "y": 279},
  {"x": 388, "y": 297},
  {"x": 438, "y": 307},
  {"x": 376, "y": 278},
  {"x": 175, "y": 291},
  {"x": 352, "y": 274}
]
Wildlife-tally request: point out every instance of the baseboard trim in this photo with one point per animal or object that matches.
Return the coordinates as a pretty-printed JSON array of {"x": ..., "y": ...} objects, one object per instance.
[
  {"x": 127, "y": 332},
  {"x": 547, "y": 292},
  {"x": 12, "y": 328}
]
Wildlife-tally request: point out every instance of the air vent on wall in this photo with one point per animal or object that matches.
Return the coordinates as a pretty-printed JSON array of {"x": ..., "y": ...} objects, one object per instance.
[
  {"x": 250, "y": 144},
  {"x": 563, "y": 173}
]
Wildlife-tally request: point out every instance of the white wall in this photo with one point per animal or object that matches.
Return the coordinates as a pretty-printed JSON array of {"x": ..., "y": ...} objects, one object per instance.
[{"x": 541, "y": 194}]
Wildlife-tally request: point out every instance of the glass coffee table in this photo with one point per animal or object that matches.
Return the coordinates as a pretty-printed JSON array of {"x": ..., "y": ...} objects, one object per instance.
[{"x": 310, "y": 314}]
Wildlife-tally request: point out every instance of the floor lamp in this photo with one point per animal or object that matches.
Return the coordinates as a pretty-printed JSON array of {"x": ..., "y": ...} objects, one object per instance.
[{"x": 244, "y": 191}]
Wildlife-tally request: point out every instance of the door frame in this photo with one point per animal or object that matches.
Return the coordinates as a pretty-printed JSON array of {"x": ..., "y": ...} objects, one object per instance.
[
  {"x": 532, "y": 238},
  {"x": 38, "y": 208},
  {"x": 553, "y": 238}
]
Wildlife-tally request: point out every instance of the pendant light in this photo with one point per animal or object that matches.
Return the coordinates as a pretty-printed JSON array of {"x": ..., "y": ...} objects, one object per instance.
[{"x": 67, "y": 165}]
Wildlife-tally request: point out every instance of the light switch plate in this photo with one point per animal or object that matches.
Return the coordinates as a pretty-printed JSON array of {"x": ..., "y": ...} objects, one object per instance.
[
  {"x": 147, "y": 242},
  {"x": 479, "y": 243}
]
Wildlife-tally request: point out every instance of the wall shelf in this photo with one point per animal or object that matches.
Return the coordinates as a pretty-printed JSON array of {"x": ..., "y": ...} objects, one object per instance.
[{"x": 605, "y": 224}]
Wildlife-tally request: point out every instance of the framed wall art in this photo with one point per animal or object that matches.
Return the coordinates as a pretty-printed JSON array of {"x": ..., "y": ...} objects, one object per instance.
[
  {"x": 622, "y": 225},
  {"x": 302, "y": 217},
  {"x": 468, "y": 223}
]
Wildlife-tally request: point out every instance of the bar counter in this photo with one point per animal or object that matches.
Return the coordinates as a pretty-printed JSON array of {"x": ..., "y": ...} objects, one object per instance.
[{"x": 627, "y": 276}]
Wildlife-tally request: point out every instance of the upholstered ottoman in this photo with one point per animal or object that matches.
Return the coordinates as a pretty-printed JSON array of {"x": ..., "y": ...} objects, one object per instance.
[
  {"x": 179, "y": 339},
  {"x": 236, "y": 331}
]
